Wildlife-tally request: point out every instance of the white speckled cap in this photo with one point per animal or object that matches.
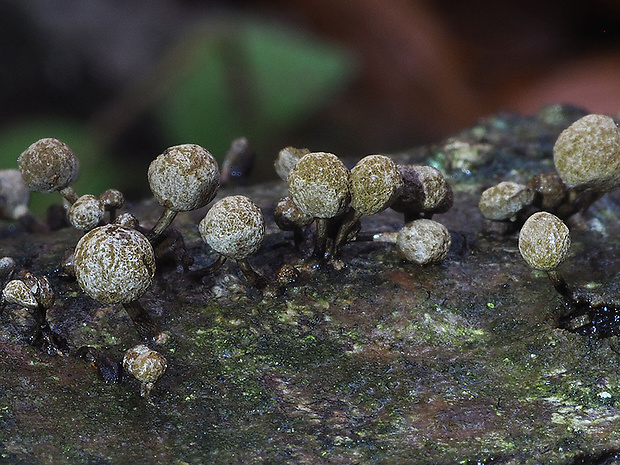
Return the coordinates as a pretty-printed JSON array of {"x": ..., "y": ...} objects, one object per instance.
[
  {"x": 114, "y": 264},
  {"x": 233, "y": 227},
  {"x": 424, "y": 241},
  {"x": 48, "y": 165},
  {"x": 184, "y": 177}
]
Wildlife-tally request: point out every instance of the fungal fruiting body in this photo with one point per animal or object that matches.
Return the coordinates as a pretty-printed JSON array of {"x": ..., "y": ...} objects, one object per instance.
[
  {"x": 234, "y": 227},
  {"x": 319, "y": 185},
  {"x": 49, "y": 165},
  {"x": 86, "y": 212},
  {"x": 183, "y": 178},
  {"x": 146, "y": 365},
  {"x": 114, "y": 264},
  {"x": 544, "y": 241},
  {"x": 423, "y": 242}
]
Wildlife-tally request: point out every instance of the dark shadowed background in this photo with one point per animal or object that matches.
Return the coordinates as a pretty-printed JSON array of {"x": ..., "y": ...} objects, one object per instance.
[{"x": 121, "y": 81}]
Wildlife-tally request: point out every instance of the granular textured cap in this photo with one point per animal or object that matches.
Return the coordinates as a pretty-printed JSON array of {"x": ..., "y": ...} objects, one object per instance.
[
  {"x": 375, "y": 184},
  {"x": 184, "y": 177},
  {"x": 425, "y": 189},
  {"x": 287, "y": 159},
  {"x": 144, "y": 364},
  {"x": 319, "y": 185},
  {"x": 424, "y": 242},
  {"x": 86, "y": 212},
  {"x": 505, "y": 200},
  {"x": 234, "y": 227},
  {"x": 48, "y": 165},
  {"x": 544, "y": 241},
  {"x": 114, "y": 264},
  {"x": 587, "y": 153}
]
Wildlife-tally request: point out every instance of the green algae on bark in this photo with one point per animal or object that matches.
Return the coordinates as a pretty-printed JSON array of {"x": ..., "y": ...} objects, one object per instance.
[{"x": 380, "y": 361}]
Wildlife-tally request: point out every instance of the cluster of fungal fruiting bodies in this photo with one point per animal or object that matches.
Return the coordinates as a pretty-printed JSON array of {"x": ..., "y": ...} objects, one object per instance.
[
  {"x": 114, "y": 262},
  {"x": 323, "y": 192},
  {"x": 586, "y": 156}
]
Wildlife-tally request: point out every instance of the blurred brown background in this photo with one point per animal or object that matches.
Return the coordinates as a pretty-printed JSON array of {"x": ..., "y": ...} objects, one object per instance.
[{"x": 402, "y": 72}]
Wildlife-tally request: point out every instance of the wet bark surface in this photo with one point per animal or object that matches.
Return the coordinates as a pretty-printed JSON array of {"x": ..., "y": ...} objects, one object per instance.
[{"x": 366, "y": 360}]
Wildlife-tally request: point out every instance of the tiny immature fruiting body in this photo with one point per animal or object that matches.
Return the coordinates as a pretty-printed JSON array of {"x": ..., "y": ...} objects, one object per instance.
[
  {"x": 183, "y": 178},
  {"x": 114, "y": 264},
  {"x": 234, "y": 227},
  {"x": 49, "y": 165},
  {"x": 86, "y": 212},
  {"x": 146, "y": 365}
]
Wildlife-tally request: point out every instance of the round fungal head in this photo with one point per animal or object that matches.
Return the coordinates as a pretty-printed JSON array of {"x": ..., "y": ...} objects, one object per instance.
[
  {"x": 14, "y": 195},
  {"x": 319, "y": 185},
  {"x": 587, "y": 154},
  {"x": 544, "y": 241},
  {"x": 287, "y": 159},
  {"x": 41, "y": 289},
  {"x": 144, "y": 364},
  {"x": 288, "y": 216},
  {"x": 18, "y": 292},
  {"x": 425, "y": 189},
  {"x": 112, "y": 199},
  {"x": 234, "y": 227},
  {"x": 375, "y": 184},
  {"x": 184, "y": 177},
  {"x": 114, "y": 264},
  {"x": 86, "y": 212},
  {"x": 505, "y": 200},
  {"x": 423, "y": 242},
  {"x": 549, "y": 188},
  {"x": 48, "y": 165},
  {"x": 127, "y": 220}
]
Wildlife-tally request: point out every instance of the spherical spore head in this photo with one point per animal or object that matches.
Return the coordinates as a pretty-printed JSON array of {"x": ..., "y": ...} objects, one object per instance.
[
  {"x": 375, "y": 184},
  {"x": 505, "y": 200},
  {"x": 48, "y": 165},
  {"x": 114, "y": 264},
  {"x": 289, "y": 216},
  {"x": 17, "y": 292},
  {"x": 287, "y": 159},
  {"x": 86, "y": 212},
  {"x": 14, "y": 195},
  {"x": 144, "y": 364},
  {"x": 423, "y": 242},
  {"x": 544, "y": 241},
  {"x": 234, "y": 227},
  {"x": 319, "y": 185},
  {"x": 587, "y": 154},
  {"x": 425, "y": 189},
  {"x": 184, "y": 177}
]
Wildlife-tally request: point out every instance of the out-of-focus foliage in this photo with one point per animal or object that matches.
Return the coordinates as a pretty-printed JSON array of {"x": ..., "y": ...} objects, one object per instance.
[{"x": 256, "y": 80}]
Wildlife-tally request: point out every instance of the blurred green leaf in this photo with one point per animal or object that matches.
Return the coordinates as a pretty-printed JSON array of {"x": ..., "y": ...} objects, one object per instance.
[{"x": 251, "y": 79}]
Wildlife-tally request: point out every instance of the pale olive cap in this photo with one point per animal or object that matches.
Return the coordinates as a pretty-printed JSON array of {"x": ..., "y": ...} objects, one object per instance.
[
  {"x": 86, "y": 212},
  {"x": 587, "y": 153},
  {"x": 287, "y": 159},
  {"x": 48, "y": 165},
  {"x": 144, "y": 364},
  {"x": 544, "y": 241},
  {"x": 319, "y": 185},
  {"x": 234, "y": 227},
  {"x": 114, "y": 264},
  {"x": 14, "y": 195},
  {"x": 375, "y": 184},
  {"x": 423, "y": 242},
  {"x": 505, "y": 200},
  {"x": 184, "y": 177}
]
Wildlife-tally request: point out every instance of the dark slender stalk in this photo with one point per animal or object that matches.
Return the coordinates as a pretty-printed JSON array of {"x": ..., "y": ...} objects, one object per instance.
[
  {"x": 164, "y": 221},
  {"x": 560, "y": 285},
  {"x": 347, "y": 225},
  {"x": 69, "y": 194},
  {"x": 145, "y": 326},
  {"x": 252, "y": 276},
  {"x": 320, "y": 239}
]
